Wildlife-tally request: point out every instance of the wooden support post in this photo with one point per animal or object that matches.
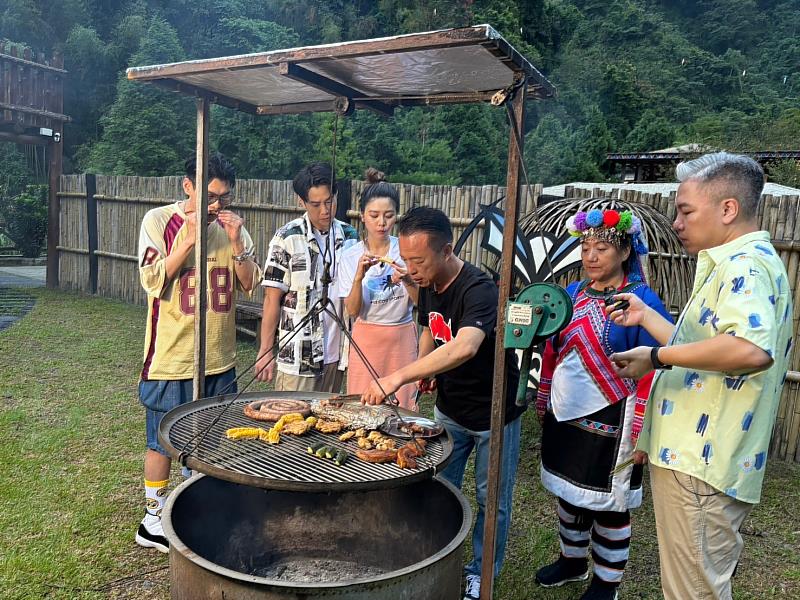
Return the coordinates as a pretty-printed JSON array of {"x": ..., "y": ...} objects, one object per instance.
[
  {"x": 91, "y": 221},
  {"x": 55, "y": 151},
  {"x": 201, "y": 249},
  {"x": 500, "y": 380}
]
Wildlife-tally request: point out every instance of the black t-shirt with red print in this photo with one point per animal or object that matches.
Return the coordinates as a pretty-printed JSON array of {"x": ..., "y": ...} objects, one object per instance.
[{"x": 465, "y": 392}]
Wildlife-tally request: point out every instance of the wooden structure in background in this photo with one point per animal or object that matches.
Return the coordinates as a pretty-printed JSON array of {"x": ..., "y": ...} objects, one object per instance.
[
  {"x": 31, "y": 112},
  {"x": 121, "y": 202},
  {"x": 659, "y": 165}
]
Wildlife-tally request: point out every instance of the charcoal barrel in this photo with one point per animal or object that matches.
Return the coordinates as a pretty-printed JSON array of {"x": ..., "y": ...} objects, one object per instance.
[{"x": 230, "y": 540}]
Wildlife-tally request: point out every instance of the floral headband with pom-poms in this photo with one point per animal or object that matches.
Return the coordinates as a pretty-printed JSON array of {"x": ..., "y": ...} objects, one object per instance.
[{"x": 607, "y": 225}]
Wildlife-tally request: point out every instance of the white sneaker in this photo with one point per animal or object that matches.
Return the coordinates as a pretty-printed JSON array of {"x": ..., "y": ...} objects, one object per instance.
[
  {"x": 151, "y": 534},
  {"x": 472, "y": 591}
]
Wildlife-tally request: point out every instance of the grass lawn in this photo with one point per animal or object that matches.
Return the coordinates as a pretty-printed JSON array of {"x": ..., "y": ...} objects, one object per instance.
[{"x": 71, "y": 448}]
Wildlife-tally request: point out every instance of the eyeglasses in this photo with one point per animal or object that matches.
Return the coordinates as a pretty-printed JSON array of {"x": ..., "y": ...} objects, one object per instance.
[{"x": 223, "y": 200}]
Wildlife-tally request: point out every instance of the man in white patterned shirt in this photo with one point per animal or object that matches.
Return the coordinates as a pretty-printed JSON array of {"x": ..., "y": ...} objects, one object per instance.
[{"x": 302, "y": 255}]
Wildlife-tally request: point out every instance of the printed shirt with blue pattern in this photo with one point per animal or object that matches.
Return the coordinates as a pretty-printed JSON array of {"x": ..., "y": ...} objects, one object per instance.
[{"x": 717, "y": 426}]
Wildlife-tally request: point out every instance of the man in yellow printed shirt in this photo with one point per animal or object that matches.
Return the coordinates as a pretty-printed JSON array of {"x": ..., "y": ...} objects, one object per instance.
[
  {"x": 719, "y": 377},
  {"x": 167, "y": 273}
]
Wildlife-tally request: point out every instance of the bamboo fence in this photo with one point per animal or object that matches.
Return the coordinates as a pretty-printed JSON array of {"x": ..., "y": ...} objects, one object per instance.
[{"x": 121, "y": 203}]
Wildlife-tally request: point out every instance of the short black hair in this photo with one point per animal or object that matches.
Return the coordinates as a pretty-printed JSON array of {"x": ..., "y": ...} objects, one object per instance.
[
  {"x": 313, "y": 175},
  {"x": 219, "y": 167},
  {"x": 424, "y": 219}
]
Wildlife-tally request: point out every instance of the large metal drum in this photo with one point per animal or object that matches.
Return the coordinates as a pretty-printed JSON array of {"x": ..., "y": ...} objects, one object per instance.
[{"x": 234, "y": 541}]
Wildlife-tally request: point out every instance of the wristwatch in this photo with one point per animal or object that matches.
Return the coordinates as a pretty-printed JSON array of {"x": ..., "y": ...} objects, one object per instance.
[{"x": 657, "y": 364}]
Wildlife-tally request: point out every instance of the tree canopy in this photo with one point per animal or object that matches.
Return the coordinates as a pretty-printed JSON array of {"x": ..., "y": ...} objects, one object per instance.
[{"x": 632, "y": 75}]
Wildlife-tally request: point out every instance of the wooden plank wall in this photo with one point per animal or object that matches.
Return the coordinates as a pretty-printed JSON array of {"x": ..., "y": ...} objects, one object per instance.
[
  {"x": 32, "y": 83},
  {"x": 266, "y": 205},
  {"x": 73, "y": 256}
]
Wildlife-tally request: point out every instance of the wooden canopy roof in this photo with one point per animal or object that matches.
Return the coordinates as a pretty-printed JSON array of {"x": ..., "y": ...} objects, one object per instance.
[{"x": 439, "y": 67}]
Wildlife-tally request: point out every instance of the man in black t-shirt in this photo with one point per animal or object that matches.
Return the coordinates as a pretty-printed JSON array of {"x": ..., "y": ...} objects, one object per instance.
[{"x": 458, "y": 314}]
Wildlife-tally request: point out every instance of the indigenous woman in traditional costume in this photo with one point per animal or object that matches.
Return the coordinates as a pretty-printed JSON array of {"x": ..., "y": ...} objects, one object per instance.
[{"x": 591, "y": 417}]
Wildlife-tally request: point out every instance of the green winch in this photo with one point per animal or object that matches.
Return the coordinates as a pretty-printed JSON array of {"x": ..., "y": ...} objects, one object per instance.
[{"x": 539, "y": 311}]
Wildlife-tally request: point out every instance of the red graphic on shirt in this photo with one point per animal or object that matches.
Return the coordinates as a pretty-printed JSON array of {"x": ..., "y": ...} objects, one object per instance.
[
  {"x": 150, "y": 256},
  {"x": 440, "y": 330}
]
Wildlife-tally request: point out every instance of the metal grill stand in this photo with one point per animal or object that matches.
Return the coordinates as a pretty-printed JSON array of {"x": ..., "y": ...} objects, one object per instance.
[{"x": 288, "y": 465}]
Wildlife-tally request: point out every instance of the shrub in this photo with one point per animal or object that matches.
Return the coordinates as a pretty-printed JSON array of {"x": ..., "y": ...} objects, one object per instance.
[{"x": 24, "y": 219}]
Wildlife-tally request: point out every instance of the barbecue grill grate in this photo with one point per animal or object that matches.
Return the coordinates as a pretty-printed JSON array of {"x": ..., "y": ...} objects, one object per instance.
[{"x": 287, "y": 465}]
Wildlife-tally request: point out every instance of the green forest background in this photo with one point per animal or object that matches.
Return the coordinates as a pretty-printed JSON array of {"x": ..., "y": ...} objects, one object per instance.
[{"x": 632, "y": 75}]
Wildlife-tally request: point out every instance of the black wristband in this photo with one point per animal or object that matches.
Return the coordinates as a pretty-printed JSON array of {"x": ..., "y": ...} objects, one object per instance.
[{"x": 657, "y": 364}]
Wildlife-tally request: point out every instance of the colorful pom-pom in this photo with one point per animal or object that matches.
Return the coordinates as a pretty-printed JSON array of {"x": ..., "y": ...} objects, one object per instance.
[
  {"x": 636, "y": 226},
  {"x": 625, "y": 221},
  {"x": 570, "y": 223},
  {"x": 610, "y": 218},
  {"x": 594, "y": 218},
  {"x": 580, "y": 221}
]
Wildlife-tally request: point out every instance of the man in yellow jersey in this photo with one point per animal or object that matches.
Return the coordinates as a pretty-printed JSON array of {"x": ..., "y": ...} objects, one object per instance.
[{"x": 167, "y": 273}]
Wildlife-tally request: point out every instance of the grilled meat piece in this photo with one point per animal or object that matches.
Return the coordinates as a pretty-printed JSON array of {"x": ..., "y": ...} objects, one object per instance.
[
  {"x": 377, "y": 456},
  {"x": 407, "y": 454},
  {"x": 296, "y": 428},
  {"x": 416, "y": 428},
  {"x": 328, "y": 426},
  {"x": 405, "y": 458}
]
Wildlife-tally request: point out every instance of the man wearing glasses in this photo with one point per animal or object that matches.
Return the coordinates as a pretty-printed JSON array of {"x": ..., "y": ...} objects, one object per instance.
[
  {"x": 300, "y": 273},
  {"x": 167, "y": 273}
]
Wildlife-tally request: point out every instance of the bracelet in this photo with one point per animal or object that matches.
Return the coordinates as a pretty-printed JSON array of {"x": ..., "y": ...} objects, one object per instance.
[
  {"x": 657, "y": 364},
  {"x": 240, "y": 258}
]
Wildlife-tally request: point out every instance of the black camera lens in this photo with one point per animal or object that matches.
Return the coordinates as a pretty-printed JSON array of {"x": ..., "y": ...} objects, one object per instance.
[{"x": 608, "y": 299}]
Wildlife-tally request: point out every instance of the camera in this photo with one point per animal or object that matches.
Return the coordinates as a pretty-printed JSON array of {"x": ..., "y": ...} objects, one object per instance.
[{"x": 608, "y": 299}]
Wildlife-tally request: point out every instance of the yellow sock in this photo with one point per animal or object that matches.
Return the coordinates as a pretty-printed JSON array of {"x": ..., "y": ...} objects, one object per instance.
[{"x": 155, "y": 493}]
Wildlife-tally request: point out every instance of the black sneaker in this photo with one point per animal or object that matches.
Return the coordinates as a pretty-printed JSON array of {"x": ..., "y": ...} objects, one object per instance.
[
  {"x": 564, "y": 570},
  {"x": 600, "y": 590},
  {"x": 151, "y": 535}
]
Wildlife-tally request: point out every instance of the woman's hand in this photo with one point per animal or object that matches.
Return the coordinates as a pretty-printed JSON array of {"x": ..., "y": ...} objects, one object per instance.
[
  {"x": 364, "y": 263},
  {"x": 634, "y": 314},
  {"x": 400, "y": 274}
]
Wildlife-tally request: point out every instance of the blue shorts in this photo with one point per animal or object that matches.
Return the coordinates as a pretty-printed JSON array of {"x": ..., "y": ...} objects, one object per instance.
[{"x": 161, "y": 396}]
